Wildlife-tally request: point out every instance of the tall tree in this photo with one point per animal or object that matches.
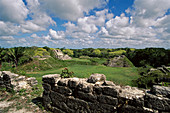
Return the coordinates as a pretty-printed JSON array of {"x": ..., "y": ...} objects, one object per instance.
[{"x": 16, "y": 55}]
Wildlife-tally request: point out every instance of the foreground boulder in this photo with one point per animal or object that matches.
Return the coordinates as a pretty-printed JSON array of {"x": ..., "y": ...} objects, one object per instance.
[
  {"x": 74, "y": 95},
  {"x": 12, "y": 81}
]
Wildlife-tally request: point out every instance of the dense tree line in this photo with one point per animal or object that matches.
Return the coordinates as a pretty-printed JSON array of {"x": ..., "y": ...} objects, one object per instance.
[
  {"x": 139, "y": 57},
  {"x": 99, "y": 52},
  {"x": 150, "y": 56},
  {"x": 16, "y": 56}
]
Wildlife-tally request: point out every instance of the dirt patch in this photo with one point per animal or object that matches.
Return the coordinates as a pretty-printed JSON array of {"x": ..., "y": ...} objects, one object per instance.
[{"x": 25, "y": 102}]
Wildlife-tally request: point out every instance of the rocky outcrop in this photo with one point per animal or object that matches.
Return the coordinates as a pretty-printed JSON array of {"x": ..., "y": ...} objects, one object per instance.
[
  {"x": 163, "y": 69},
  {"x": 12, "y": 81},
  {"x": 74, "y": 95},
  {"x": 59, "y": 54},
  {"x": 119, "y": 61}
]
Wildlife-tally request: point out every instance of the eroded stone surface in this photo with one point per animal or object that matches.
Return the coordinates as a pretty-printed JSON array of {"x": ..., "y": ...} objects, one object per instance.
[
  {"x": 13, "y": 81},
  {"x": 78, "y": 95},
  {"x": 97, "y": 78},
  {"x": 161, "y": 91},
  {"x": 51, "y": 78}
]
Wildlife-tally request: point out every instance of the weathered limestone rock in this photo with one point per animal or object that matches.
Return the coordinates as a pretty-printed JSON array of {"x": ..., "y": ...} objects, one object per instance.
[
  {"x": 59, "y": 54},
  {"x": 161, "y": 91},
  {"x": 62, "y": 90},
  {"x": 130, "y": 93},
  {"x": 63, "y": 82},
  {"x": 110, "y": 90},
  {"x": 101, "y": 108},
  {"x": 32, "y": 81},
  {"x": 12, "y": 81},
  {"x": 109, "y": 83},
  {"x": 51, "y": 78},
  {"x": 1, "y": 79},
  {"x": 73, "y": 82},
  {"x": 77, "y": 95},
  {"x": 158, "y": 103},
  {"x": 97, "y": 78},
  {"x": 22, "y": 85},
  {"x": 85, "y": 87},
  {"x": 86, "y": 96},
  {"x": 119, "y": 61},
  {"x": 77, "y": 104},
  {"x": 8, "y": 75},
  {"x": 107, "y": 100}
]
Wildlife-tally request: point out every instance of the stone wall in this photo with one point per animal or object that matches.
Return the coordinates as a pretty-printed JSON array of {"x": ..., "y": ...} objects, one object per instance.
[
  {"x": 96, "y": 95},
  {"x": 12, "y": 81}
]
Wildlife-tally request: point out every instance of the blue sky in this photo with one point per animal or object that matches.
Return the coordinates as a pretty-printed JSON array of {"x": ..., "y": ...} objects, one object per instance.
[{"x": 85, "y": 23}]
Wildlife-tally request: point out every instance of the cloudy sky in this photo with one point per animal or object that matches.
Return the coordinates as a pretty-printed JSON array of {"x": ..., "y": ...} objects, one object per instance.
[{"x": 85, "y": 23}]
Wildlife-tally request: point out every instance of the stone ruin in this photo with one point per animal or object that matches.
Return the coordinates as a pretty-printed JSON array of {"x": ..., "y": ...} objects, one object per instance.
[
  {"x": 59, "y": 54},
  {"x": 12, "y": 81},
  {"x": 96, "y": 95},
  {"x": 163, "y": 69},
  {"x": 118, "y": 61}
]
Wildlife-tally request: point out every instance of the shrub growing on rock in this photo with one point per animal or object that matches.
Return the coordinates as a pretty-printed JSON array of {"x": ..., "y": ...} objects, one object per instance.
[{"x": 66, "y": 74}]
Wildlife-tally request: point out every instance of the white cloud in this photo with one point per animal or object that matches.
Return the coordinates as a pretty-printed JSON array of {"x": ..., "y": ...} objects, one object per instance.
[
  {"x": 30, "y": 27},
  {"x": 13, "y": 17},
  {"x": 40, "y": 20},
  {"x": 71, "y": 9},
  {"x": 8, "y": 28},
  {"x": 56, "y": 35},
  {"x": 13, "y": 11},
  {"x": 6, "y": 38},
  {"x": 87, "y": 26},
  {"x": 147, "y": 12}
]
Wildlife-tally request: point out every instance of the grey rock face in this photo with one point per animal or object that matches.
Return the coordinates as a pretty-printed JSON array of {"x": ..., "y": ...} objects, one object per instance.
[
  {"x": 59, "y": 54},
  {"x": 51, "y": 78},
  {"x": 12, "y": 81},
  {"x": 158, "y": 103},
  {"x": 118, "y": 61},
  {"x": 100, "y": 78},
  {"x": 77, "y": 95},
  {"x": 161, "y": 91}
]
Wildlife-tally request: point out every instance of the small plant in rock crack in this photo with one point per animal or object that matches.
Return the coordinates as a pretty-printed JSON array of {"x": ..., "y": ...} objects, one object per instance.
[{"x": 66, "y": 74}]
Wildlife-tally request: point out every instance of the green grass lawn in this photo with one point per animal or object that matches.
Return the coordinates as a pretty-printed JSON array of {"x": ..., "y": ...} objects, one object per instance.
[
  {"x": 80, "y": 60},
  {"x": 119, "y": 75}
]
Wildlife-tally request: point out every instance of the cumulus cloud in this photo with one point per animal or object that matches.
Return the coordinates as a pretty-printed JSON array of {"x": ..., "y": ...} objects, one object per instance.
[
  {"x": 71, "y": 9},
  {"x": 8, "y": 28},
  {"x": 40, "y": 20},
  {"x": 13, "y": 11},
  {"x": 147, "y": 12},
  {"x": 147, "y": 26},
  {"x": 56, "y": 35},
  {"x": 87, "y": 26},
  {"x": 15, "y": 16},
  {"x": 6, "y": 38}
]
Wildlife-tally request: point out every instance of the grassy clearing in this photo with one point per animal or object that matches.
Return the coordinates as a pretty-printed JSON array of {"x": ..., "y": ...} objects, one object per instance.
[
  {"x": 80, "y": 60},
  {"x": 119, "y": 75}
]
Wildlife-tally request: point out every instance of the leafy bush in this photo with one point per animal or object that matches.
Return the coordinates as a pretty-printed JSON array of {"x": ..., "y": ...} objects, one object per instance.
[
  {"x": 84, "y": 57},
  {"x": 150, "y": 78},
  {"x": 94, "y": 61},
  {"x": 119, "y": 52},
  {"x": 41, "y": 52},
  {"x": 66, "y": 74},
  {"x": 68, "y": 51},
  {"x": 6, "y": 66}
]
